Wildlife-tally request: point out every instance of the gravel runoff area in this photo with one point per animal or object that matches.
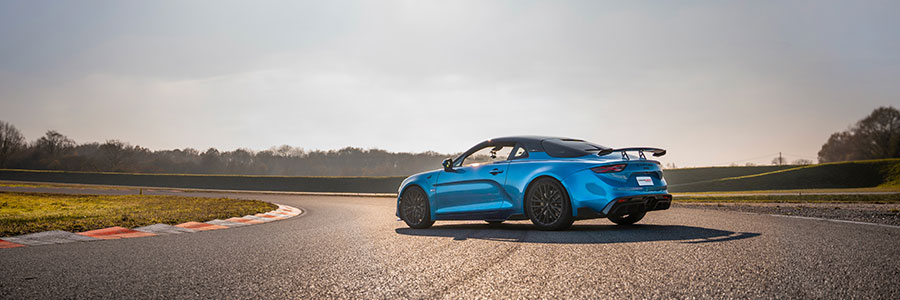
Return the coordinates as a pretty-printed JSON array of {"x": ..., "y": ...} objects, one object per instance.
[{"x": 888, "y": 214}]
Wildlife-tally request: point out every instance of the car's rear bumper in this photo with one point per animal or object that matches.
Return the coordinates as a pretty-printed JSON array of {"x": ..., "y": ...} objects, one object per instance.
[
  {"x": 627, "y": 205},
  {"x": 590, "y": 192},
  {"x": 634, "y": 204}
]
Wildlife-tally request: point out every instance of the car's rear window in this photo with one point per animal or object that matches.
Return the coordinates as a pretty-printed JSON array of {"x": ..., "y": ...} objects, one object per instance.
[{"x": 570, "y": 147}]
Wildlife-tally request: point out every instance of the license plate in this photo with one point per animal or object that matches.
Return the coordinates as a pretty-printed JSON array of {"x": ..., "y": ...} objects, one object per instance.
[{"x": 642, "y": 181}]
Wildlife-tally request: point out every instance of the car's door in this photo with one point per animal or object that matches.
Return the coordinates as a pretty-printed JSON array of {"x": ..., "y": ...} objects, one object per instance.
[{"x": 475, "y": 184}]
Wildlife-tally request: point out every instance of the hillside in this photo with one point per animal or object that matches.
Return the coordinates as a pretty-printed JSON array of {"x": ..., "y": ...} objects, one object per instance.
[
  {"x": 853, "y": 174},
  {"x": 682, "y": 176},
  {"x": 369, "y": 184}
]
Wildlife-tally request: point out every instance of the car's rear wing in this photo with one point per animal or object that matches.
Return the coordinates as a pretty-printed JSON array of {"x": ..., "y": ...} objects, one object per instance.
[{"x": 657, "y": 152}]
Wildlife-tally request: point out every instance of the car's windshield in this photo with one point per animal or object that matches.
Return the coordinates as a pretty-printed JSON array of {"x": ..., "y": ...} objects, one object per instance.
[{"x": 570, "y": 147}]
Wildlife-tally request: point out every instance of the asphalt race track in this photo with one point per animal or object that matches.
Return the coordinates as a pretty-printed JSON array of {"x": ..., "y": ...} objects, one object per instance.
[{"x": 344, "y": 247}]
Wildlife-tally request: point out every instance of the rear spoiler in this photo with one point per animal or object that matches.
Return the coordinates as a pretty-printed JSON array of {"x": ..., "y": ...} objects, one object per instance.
[{"x": 657, "y": 152}]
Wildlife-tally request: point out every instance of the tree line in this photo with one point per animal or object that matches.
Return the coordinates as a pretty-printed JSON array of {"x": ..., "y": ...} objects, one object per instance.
[
  {"x": 55, "y": 151},
  {"x": 874, "y": 137}
]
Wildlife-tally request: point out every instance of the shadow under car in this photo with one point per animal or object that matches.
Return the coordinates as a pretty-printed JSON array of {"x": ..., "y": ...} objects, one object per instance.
[{"x": 579, "y": 234}]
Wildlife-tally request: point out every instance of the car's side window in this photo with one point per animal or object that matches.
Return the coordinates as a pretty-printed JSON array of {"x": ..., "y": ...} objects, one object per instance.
[
  {"x": 519, "y": 152},
  {"x": 488, "y": 155}
]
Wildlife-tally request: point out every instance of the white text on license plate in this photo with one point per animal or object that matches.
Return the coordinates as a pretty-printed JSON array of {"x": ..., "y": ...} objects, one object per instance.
[{"x": 642, "y": 181}]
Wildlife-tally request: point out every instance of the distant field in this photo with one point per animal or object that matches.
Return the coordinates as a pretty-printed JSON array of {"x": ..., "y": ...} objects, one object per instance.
[
  {"x": 22, "y": 213},
  {"x": 223, "y": 182},
  {"x": 20, "y": 184},
  {"x": 689, "y": 175},
  {"x": 868, "y": 176},
  {"x": 855, "y": 174}
]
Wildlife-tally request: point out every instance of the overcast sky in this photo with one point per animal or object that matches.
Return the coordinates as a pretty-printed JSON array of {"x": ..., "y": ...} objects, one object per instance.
[{"x": 714, "y": 82}]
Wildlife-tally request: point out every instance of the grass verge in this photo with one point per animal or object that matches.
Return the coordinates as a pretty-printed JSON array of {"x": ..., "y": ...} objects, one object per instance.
[
  {"x": 22, "y": 213},
  {"x": 848, "y": 198}
]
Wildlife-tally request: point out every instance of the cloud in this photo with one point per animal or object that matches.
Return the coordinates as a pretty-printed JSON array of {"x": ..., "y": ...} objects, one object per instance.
[{"x": 744, "y": 79}]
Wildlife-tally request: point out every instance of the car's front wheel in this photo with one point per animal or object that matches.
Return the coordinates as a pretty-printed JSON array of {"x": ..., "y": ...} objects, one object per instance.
[
  {"x": 547, "y": 204},
  {"x": 414, "y": 208}
]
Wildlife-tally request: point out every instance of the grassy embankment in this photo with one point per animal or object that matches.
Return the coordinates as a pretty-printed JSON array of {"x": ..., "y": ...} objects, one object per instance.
[
  {"x": 871, "y": 175},
  {"x": 844, "y": 177},
  {"x": 794, "y": 184},
  {"x": 22, "y": 213},
  {"x": 677, "y": 177},
  {"x": 387, "y": 184}
]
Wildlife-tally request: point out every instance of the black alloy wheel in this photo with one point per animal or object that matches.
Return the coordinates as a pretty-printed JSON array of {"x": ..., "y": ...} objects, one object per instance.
[
  {"x": 414, "y": 209},
  {"x": 547, "y": 204}
]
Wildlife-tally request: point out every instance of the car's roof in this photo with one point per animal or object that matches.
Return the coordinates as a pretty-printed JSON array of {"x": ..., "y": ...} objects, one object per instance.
[
  {"x": 521, "y": 138},
  {"x": 531, "y": 142}
]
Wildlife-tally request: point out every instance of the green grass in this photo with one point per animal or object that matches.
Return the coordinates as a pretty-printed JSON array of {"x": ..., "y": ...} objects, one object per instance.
[
  {"x": 689, "y": 175},
  {"x": 883, "y": 173},
  {"x": 22, "y": 213},
  {"x": 849, "y": 198}
]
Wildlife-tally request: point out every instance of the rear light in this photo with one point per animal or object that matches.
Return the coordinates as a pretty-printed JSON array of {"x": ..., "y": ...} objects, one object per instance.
[{"x": 609, "y": 168}]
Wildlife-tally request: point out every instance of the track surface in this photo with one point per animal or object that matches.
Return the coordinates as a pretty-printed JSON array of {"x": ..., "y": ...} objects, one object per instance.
[{"x": 345, "y": 247}]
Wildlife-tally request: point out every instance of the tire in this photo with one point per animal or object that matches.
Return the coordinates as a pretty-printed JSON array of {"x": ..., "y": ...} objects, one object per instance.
[
  {"x": 414, "y": 208},
  {"x": 628, "y": 219},
  {"x": 547, "y": 205}
]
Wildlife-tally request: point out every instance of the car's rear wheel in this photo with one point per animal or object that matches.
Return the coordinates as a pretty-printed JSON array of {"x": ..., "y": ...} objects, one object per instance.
[
  {"x": 547, "y": 204},
  {"x": 629, "y": 218},
  {"x": 414, "y": 208}
]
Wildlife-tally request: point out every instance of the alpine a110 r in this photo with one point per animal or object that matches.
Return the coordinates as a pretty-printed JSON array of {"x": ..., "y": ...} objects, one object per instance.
[{"x": 551, "y": 181}]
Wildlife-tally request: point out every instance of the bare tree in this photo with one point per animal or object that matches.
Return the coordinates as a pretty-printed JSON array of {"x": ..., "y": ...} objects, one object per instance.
[
  {"x": 778, "y": 161},
  {"x": 116, "y": 153},
  {"x": 210, "y": 161},
  {"x": 802, "y": 162},
  {"x": 287, "y": 151},
  {"x": 54, "y": 143},
  {"x": 11, "y": 141}
]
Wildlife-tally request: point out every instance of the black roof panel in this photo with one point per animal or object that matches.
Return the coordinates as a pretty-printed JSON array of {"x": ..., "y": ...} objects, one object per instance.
[{"x": 532, "y": 143}]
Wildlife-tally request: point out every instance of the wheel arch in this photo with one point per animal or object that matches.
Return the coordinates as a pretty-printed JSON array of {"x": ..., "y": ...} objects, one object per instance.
[
  {"x": 411, "y": 184},
  {"x": 536, "y": 178},
  {"x": 429, "y": 197}
]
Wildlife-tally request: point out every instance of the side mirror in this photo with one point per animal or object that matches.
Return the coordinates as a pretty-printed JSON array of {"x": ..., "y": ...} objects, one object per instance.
[{"x": 448, "y": 165}]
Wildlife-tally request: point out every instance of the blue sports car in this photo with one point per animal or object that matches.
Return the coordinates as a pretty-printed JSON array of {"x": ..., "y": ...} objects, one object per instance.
[{"x": 551, "y": 181}]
